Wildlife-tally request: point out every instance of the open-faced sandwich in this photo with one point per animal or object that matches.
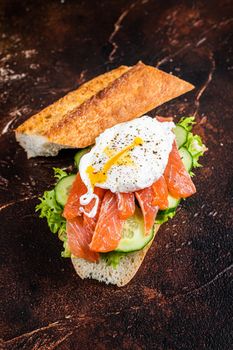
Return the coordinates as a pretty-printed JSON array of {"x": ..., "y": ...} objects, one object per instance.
[{"x": 129, "y": 175}]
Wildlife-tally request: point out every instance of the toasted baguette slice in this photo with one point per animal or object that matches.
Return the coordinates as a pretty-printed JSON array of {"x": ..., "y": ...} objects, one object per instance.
[
  {"x": 31, "y": 134},
  {"x": 125, "y": 271},
  {"x": 78, "y": 118}
]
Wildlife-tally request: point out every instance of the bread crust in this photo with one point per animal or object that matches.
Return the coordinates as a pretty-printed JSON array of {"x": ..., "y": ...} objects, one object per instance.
[
  {"x": 50, "y": 116},
  {"x": 108, "y": 274}
]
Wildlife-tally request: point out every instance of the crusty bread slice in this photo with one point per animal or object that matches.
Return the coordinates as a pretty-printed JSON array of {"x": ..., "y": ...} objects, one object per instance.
[
  {"x": 125, "y": 271},
  {"x": 31, "y": 134},
  {"x": 77, "y": 119}
]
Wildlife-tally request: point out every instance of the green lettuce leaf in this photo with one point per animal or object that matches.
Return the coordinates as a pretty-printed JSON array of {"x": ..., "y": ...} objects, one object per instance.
[
  {"x": 62, "y": 235},
  {"x": 194, "y": 143},
  {"x": 59, "y": 173},
  {"x": 187, "y": 123},
  {"x": 52, "y": 212},
  {"x": 112, "y": 258},
  {"x": 164, "y": 216},
  {"x": 196, "y": 148}
]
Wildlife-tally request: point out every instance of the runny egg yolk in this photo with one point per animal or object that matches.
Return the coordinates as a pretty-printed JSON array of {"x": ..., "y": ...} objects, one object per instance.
[
  {"x": 125, "y": 159},
  {"x": 101, "y": 176}
]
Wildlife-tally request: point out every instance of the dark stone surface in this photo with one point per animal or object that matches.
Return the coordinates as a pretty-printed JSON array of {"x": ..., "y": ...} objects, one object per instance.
[{"x": 182, "y": 296}]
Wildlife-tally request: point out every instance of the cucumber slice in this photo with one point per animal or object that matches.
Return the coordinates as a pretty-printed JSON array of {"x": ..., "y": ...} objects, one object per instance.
[
  {"x": 62, "y": 189},
  {"x": 186, "y": 158},
  {"x": 79, "y": 155},
  {"x": 133, "y": 234},
  {"x": 181, "y": 135},
  {"x": 172, "y": 203}
]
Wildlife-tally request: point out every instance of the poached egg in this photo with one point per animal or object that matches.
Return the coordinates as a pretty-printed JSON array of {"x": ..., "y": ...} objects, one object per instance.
[{"x": 128, "y": 157}]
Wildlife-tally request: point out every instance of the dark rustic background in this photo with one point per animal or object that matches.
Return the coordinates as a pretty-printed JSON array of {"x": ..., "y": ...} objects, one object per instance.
[{"x": 182, "y": 296}]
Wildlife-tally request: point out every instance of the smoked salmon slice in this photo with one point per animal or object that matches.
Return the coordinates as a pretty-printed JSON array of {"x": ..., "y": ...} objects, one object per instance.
[
  {"x": 79, "y": 238},
  {"x": 160, "y": 193},
  {"x": 125, "y": 204},
  {"x": 145, "y": 198},
  {"x": 72, "y": 206},
  {"x": 109, "y": 226},
  {"x": 91, "y": 222},
  {"x": 178, "y": 180},
  {"x": 71, "y": 209}
]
